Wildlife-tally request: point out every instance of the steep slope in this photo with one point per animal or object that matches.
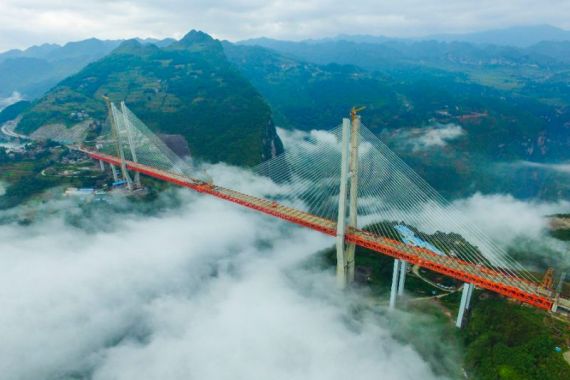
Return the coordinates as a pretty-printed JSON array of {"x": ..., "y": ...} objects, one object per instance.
[
  {"x": 460, "y": 135},
  {"x": 187, "y": 88}
]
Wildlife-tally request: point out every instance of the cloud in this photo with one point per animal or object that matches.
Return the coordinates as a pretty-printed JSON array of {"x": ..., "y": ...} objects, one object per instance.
[
  {"x": 26, "y": 22},
  {"x": 14, "y": 98},
  {"x": 561, "y": 168},
  {"x": 201, "y": 290},
  {"x": 435, "y": 136}
]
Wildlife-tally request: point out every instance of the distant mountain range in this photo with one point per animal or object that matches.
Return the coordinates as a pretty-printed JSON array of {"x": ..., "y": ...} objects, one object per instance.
[
  {"x": 465, "y": 115},
  {"x": 184, "y": 89},
  {"x": 33, "y": 71},
  {"x": 517, "y": 36}
]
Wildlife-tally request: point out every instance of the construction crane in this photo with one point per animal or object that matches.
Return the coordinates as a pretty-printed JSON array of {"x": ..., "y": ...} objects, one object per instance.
[{"x": 354, "y": 112}]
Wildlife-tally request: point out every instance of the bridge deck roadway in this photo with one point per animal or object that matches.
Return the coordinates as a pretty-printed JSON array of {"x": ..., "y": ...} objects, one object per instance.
[{"x": 487, "y": 278}]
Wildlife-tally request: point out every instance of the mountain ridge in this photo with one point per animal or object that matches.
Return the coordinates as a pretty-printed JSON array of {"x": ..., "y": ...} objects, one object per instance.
[{"x": 187, "y": 88}]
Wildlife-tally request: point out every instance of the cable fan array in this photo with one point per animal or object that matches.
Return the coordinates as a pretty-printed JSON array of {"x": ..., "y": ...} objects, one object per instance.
[
  {"x": 128, "y": 136},
  {"x": 393, "y": 200}
]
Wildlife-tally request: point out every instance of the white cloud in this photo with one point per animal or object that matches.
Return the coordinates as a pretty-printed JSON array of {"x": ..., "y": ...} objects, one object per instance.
[
  {"x": 14, "y": 98},
  {"x": 562, "y": 168},
  {"x": 435, "y": 136},
  {"x": 26, "y": 22},
  {"x": 205, "y": 290}
]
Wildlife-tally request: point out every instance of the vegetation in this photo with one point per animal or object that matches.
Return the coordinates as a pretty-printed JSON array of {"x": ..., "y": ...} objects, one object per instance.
[
  {"x": 502, "y": 129},
  {"x": 11, "y": 112},
  {"x": 505, "y": 340},
  {"x": 25, "y": 174},
  {"x": 502, "y": 339},
  {"x": 188, "y": 88}
]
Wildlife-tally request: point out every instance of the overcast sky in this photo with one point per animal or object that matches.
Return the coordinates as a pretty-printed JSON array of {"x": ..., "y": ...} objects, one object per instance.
[{"x": 27, "y": 22}]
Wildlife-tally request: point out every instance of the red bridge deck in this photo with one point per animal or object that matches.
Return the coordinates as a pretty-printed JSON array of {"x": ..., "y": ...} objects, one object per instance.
[{"x": 498, "y": 282}]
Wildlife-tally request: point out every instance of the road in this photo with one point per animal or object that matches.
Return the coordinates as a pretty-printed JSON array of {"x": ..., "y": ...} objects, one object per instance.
[
  {"x": 416, "y": 271},
  {"x": 8, "y": 129}
]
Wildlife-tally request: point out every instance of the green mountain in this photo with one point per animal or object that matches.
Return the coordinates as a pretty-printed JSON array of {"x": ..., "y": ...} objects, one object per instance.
[
  {"x": 461, "y": 135},
  {"x": 187, "y": 88}
]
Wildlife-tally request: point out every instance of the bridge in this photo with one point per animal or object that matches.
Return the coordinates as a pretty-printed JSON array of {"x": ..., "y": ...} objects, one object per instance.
[{"x": 330, "y": 181}]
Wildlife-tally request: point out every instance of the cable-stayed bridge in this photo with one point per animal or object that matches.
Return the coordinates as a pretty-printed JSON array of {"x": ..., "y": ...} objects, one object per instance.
[{"x": 347, "y": 184}]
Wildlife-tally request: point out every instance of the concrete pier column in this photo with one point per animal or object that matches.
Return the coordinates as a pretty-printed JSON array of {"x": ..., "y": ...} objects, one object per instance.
[
  {"x": 402, "y": 280},
  {"x": 394, "y": 289},
  {"x": 463, "y": 305},
  {"x": 102, "y": 165},
  {"x": 468, "y": 304}
]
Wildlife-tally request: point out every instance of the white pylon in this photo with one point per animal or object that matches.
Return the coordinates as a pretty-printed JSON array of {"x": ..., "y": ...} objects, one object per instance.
[
  {"x": 131, "y": 143},
  {"x": 341, "y": 261},
  {"x": 117, "y": 135},
  {"x": 353, "y": 205}
]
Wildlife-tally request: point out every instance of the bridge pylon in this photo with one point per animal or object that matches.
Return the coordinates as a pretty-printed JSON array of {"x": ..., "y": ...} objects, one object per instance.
[
  {"x": 131, "y": 142},
  {"x": 113, "y": 119},
  {"x": 349, "y": 171},
  {"x": 341, "y": 258}
]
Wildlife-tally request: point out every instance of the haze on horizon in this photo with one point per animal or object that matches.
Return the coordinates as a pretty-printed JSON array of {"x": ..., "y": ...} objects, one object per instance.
[{"x": 24, "y": 23}]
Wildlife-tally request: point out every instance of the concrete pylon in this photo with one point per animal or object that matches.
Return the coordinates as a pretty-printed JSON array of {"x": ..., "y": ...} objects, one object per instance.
[
  {"x": 353, "y": 204},
  {"x": 130, "y": 140},
  {"x": 117, "y": 135},
  {"x": 341, "y": 260}
]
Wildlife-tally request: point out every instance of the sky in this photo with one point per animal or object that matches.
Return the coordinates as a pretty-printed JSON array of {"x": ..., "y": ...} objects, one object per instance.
[{"x": 27, "y": 22}]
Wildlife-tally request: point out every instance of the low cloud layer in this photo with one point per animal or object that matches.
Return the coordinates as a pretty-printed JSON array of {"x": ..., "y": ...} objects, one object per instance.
[
  {"x": 435, "y": 136},
  {"x": 14, "y": 98},
  {"x": 561, "y": 168},
  {"x": 204, "y": 290},
  {"x": 27, "y": 22}
]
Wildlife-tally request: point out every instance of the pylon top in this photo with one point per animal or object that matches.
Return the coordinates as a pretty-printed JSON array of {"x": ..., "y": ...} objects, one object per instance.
[{"x": 354, "y": 112}]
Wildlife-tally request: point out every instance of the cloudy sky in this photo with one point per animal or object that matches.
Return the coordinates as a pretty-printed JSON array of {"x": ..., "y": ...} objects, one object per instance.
[{"x": 27, "y": 22}]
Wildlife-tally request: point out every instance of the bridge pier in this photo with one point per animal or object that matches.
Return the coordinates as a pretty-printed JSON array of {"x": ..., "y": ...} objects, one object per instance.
[
  {"x": 102, "y": 165},
  {"x": 394, "y": 288},
  {"x": 464, "y": 304},
  {"x": 402, "y": 280}
]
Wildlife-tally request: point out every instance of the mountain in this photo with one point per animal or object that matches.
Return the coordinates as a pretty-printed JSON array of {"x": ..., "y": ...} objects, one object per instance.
[
  {"x": 187, "y": 88},
  {"x": 519, "y": 36},
  {"x": 459, "y": 134},
  {"x": 33, "y": 71}
]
